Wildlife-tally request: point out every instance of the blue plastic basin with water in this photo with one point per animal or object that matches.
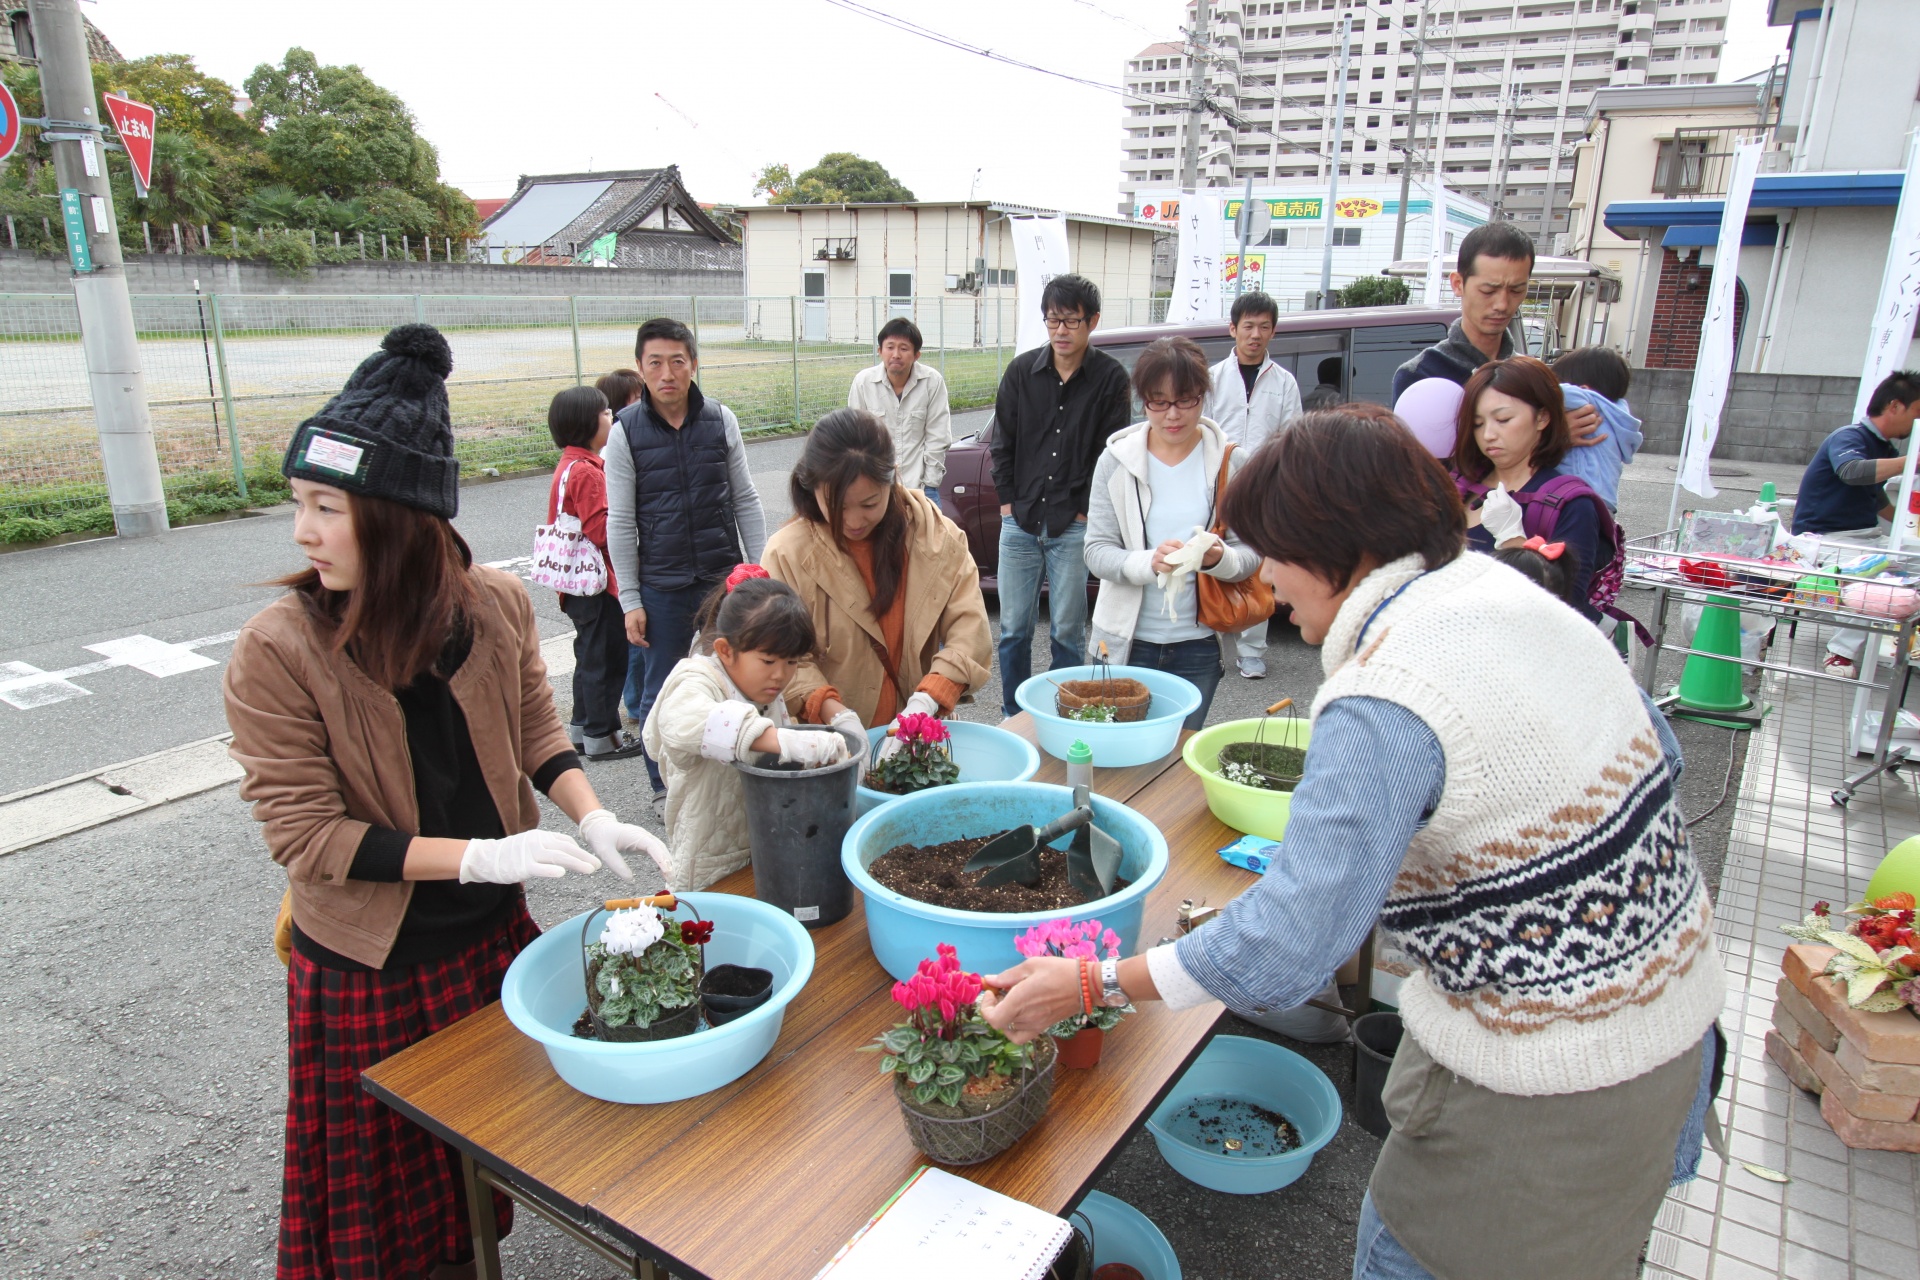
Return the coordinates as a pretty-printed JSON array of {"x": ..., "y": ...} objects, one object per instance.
[
  {"x": 904, "y": 931},
  {"x": 1115, "y": 746},
  {"x": 984, "y": 752},
  {"x": 1242, "y": 1068},
  {"x": 1121, "y": 1233},
  {"x": 545, "y": 990}
]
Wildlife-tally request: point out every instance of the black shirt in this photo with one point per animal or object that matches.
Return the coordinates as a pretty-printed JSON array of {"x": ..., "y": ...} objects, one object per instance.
[
  {"x": 1249, "y": 374},
  {"x": 443, "y": 916},
  {"x": 1048, "y": 434}
]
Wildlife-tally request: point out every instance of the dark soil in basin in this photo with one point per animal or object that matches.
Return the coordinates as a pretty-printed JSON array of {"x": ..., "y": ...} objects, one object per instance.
[
  {"x": 1211, "y": 1123},
  {"x": 935, "y": 874}
]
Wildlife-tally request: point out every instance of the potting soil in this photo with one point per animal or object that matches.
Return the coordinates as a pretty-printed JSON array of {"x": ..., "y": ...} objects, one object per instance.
[
  {"x": 583, "y": 1025},
  {"x": 936, "y": 874},
  {"x": 1210, "y": 1123}
]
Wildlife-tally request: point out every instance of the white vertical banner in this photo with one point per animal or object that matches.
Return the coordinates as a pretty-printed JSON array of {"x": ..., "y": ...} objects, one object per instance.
[
  {"x": 1199, "y": 258},
  {"x": 1893, "y": 324},
  {"x": 1039, "y": 254},
  {"x": 1437, "y": 272},
  {"x": 1713, "y": 366}
]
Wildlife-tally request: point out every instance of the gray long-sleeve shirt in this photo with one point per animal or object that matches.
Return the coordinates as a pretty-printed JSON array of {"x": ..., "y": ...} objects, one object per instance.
[{"x": 623, "y": 532}]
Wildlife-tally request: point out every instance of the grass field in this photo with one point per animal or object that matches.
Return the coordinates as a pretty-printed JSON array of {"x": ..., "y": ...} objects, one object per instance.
[{"x": 50, "y": 477}]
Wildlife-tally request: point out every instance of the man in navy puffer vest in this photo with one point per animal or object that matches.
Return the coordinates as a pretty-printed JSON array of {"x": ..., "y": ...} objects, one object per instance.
[{"x": 681, "y": 508}]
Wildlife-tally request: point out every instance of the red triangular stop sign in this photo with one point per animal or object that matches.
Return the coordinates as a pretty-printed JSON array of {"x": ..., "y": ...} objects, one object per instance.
[{"x": 134, "y": 120}]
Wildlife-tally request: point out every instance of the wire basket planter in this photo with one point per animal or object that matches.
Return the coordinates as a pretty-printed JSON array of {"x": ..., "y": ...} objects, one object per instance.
[
  {"x": 946, "y": 1135},
  {"x": 1270, "y": 766},
  {"x": 668, "y": 1026},
  {"x": 1107, "y": 698}
]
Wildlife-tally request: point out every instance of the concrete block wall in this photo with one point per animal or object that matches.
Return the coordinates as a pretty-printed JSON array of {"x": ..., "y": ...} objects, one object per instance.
[
  {"x": 1770, "y": 417},
  {"x": 22, "y": 271}
]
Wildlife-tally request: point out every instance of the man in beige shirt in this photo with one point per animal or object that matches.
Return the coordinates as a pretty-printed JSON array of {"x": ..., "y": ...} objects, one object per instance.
[{"x": 911, "y": 398}]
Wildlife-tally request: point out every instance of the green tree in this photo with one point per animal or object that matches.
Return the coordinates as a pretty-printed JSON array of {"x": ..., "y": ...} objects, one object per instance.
[
  {"x": 840, "y": 178},
  {"x": 1375, "y": 291},
  {"x": 775, "y": 182}
]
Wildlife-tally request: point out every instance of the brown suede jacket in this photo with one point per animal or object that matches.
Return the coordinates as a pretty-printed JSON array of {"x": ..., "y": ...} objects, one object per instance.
[{"x": 325, "y": 750}]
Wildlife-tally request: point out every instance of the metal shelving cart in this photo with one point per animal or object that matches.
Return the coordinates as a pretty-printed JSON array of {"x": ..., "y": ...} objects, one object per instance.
[{"x": 1790, "y": 594}]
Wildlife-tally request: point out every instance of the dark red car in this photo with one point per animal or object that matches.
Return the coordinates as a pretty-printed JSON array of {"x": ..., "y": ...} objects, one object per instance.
[{"x": 1355, "y": 351}]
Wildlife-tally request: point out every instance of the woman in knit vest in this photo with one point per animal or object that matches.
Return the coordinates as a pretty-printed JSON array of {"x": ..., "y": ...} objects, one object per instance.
[{"x": 1510, "y": 822}]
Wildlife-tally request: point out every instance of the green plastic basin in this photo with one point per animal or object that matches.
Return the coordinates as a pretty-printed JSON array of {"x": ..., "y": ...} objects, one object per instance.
[{"x": 1250, "y": 809}]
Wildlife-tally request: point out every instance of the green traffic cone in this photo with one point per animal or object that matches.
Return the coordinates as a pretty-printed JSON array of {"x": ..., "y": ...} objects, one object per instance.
[{"x": 1710, "y": 687}]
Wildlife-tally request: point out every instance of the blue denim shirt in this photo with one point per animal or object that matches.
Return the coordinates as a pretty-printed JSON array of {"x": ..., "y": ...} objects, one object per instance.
[{"x": 1373, "y": 776}]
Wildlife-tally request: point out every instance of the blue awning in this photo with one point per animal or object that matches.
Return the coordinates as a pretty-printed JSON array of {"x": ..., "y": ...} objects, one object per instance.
[
  {"x": 1707, "y": 237},
  {"x": 1638, "y": 218}
]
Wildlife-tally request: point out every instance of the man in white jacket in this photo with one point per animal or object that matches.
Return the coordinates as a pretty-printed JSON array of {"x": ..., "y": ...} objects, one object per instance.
[
  {"x": 1252, "y": 398},
  {"x": 911, "y": 398}
]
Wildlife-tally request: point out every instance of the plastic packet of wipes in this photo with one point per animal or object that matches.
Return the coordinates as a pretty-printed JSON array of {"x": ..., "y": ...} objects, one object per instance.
[{"x": 1255, "y": 853}]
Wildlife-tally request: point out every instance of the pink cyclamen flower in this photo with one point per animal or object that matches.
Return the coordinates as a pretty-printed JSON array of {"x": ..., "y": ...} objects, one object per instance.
[{"x": 1111, "y": 941}]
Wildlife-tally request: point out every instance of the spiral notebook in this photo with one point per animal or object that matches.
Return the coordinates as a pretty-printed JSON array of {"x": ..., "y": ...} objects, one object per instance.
[{"x": 940, "y": 1226}]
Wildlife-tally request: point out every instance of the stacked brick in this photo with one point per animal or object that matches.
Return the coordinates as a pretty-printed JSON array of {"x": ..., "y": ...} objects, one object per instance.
[{"x": 1864, "y": 1066}]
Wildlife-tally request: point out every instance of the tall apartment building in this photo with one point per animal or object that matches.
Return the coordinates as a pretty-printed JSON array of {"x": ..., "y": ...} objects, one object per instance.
[{"x": 1503, "y": 92}]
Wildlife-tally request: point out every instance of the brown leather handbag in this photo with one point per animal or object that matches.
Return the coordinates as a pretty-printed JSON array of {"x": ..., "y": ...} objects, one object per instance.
[{"x": 1231, "y": 606}]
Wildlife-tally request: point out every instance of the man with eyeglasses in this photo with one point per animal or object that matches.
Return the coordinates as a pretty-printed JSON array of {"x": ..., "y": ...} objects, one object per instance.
[
  {"x": 681, "y": 507},
  {"x": 1056, "y": 407}
]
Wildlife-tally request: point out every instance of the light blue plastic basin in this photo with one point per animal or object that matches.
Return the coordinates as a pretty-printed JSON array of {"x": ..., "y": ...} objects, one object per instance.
[
  {"x": 1115, "y": 746},
  {"x": 1257, "y": 1071},
  {"x": 904, "y": 931},
  {"x": 1121, "y": 1233},
  {"x": 545, "y": 991},
  {"x": 983, "y": 752}
]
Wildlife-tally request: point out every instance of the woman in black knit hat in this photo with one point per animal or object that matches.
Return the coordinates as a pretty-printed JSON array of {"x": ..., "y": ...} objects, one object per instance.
[{"x": 393, "y": 716}]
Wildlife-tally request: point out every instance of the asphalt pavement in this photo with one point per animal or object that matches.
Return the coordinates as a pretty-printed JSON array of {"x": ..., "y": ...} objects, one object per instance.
[{"x": 142, "y": 1041}]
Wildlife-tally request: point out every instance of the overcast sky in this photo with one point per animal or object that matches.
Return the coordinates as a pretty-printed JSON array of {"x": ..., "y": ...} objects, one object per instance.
[{"x": 721, "y": 89}]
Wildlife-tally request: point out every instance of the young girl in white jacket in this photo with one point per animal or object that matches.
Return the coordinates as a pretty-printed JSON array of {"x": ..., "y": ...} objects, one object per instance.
[{"x": 723, "y": 703}]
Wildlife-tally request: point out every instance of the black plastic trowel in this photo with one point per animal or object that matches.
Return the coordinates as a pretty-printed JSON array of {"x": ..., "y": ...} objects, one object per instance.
[{"x": 1093, "y": 859}]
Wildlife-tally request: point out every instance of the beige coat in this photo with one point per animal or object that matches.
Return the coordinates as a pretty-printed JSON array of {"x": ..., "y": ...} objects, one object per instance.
[
  {"x": 699, "y": 725},
  {"x": 946, "y": 617}
]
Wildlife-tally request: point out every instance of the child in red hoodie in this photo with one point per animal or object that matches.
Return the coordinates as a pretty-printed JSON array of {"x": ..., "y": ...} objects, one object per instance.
[{"x": 579, "y": 421}]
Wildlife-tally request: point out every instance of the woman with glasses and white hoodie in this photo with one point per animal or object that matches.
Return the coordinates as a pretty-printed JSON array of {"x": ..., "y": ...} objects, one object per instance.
[{"x": 1152, "y": 503}]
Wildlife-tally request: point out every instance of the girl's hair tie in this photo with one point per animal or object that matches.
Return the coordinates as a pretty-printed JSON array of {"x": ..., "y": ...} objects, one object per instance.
[
  {"x": 1551, "y": 550},
  {"x": 742, "y": 572}
]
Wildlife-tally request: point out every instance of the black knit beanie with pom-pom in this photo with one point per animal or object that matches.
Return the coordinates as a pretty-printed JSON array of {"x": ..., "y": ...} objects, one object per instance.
[{"x": 388, "y": 433}]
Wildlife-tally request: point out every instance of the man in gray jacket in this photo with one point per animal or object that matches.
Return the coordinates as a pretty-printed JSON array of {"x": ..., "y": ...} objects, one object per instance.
[{"x": 681, "y": 507}]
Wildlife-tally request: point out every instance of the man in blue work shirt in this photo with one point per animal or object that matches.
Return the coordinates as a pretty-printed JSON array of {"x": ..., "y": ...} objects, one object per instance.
[{"x": 1842, "y": 488}]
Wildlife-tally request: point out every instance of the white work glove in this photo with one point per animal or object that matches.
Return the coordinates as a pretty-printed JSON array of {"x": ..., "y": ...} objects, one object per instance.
[
  {"x": 1500, "y": 516},
  {"x": 544, "y": 855},
  {"x": 1185, "y": 561},
  {"x": 606, "y": 837},
  {"x": 850, "y": 727},
  {"x": 921, "y": 703},
  {"x": 811, "y": 750}
]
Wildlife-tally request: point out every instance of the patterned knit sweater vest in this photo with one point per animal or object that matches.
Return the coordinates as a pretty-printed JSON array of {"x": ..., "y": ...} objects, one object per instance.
[{"x": 1555, "y": 910}]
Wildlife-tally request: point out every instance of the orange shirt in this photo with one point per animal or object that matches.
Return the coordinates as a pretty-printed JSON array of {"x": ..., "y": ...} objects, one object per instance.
[{"x": 893, "y": 628}]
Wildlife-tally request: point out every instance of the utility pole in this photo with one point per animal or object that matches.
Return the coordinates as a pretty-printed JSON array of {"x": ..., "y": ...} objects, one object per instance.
[
  {"x": 106, "y": 312},
  {"x": 1505, "y": 127},
  {"x": 1197, "y": 99},
  {"x": 1339, "y": 149},
  {"x": 1413, "y": 136}
]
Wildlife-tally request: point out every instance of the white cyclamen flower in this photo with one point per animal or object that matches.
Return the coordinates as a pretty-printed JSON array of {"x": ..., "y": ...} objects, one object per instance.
[{"x": 628, "y": 933}]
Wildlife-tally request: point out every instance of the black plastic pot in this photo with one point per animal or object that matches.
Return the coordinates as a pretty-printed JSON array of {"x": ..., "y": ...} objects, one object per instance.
[
  {"x": 796, "y": 819},
  {"x": 1376, "y": 1038},
  {"x": 730, "y": 990},
  {"x": 668, "y": 1026}
]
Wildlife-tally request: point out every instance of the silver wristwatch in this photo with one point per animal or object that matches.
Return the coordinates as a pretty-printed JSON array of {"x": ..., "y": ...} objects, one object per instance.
[{"x": 1110, "y": 993}]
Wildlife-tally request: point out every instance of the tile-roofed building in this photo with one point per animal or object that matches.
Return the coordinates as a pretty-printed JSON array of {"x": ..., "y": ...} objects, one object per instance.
[{"x": 566, "y": 218}]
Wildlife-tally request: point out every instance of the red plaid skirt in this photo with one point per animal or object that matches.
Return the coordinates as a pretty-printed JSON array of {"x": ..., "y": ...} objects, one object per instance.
[{"x": 367, "y": 1193}]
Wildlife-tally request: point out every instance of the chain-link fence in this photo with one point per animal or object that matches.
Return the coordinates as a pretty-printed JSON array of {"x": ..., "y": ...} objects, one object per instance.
[{"x": 229, "y": 377}]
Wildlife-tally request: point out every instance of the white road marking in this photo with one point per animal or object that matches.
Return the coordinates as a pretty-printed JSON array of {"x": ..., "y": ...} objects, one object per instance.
[
  {"x": 27, "y": 687},
  {"x": 155, "y": 657}
]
